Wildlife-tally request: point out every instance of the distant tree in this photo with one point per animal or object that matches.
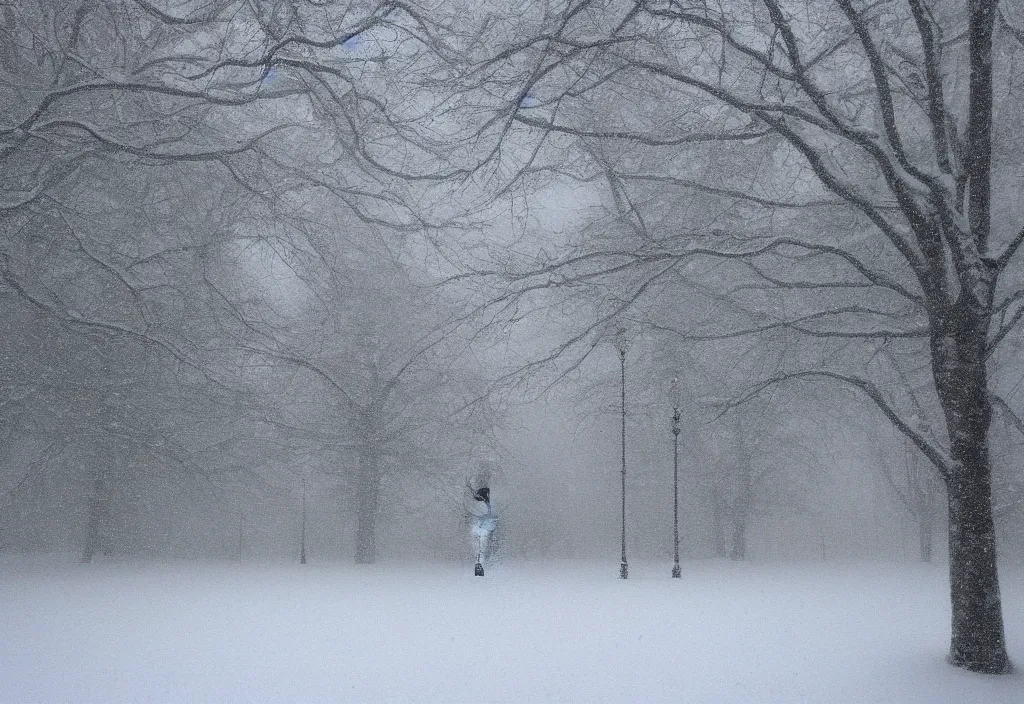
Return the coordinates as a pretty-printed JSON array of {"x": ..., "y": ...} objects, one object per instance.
[
  {"x": 149, "y": 149},
  {"x": 917, "y": 491},
  {"x": 759, "y": 469},
  {"x": 381, "y": 379}
]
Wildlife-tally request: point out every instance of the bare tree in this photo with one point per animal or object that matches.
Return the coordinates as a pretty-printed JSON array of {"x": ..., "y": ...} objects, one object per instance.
[
  {"x": 378, "y": 375},
  {"x": 148, "y": 152},
  {"x": 917, "y": 491},
  {"x": 879, "y": 118},
  {"x": 99, "y": 94}
]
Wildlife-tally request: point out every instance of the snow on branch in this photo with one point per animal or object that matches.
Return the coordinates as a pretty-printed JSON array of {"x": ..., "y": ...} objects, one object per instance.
[
  {"x": 938, "y": 456},
  {"x": 798, "y": 325}
]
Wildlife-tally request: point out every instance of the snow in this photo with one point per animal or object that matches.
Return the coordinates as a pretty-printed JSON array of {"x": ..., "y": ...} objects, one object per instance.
[{"x": 527, "y": 632}]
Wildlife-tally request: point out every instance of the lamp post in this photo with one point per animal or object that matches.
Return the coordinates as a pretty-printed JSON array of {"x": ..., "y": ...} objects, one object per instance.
[
  {"x": 674, "y": 393},
  {"x": 302, "y": 550},
  {"x": 621, "y": 345}
]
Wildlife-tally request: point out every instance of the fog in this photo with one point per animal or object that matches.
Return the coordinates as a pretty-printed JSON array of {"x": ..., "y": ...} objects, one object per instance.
[
  {"x": 286, "y": 284},
  {"x": 834, "y": 485}
]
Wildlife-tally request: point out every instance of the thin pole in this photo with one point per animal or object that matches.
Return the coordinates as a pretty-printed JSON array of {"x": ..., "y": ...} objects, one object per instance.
[
  {"x": 676, "y": 571},
  {"x": 302, "y": 551},
  {"x": 624, "y": 567}
]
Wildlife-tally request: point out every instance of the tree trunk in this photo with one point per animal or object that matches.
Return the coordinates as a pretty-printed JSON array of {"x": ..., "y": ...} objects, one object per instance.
[
  {"x": 977, "y": 642},
  {"x": 958, "y": 355},
  {"x": 97, "y": 525},
  {"x": 742, "y": 505},
  {"x": 717, "y": 523},
  {"x": 926, "y": 526},
  {"x": 367, "y": 501},
  {"x": 738, "y": 549},
  {"x": 921, "y": 503}
]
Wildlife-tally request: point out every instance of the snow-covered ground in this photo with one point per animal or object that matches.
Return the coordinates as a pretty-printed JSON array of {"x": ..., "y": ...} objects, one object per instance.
[{"x": 527, "y": 632}]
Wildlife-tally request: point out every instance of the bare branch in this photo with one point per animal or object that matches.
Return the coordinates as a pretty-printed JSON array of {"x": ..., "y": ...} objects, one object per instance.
[{"x": 939, "y": 458}]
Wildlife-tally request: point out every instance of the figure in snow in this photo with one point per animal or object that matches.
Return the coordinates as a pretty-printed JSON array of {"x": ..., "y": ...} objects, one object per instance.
[{"x": 484, "y": 520}]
